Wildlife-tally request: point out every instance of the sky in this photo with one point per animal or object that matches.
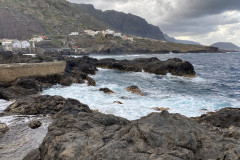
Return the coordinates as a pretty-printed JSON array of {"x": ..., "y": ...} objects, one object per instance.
[{"x": 204, "y": 21}]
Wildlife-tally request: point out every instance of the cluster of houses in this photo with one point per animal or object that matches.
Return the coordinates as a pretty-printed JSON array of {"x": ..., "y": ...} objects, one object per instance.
[
  {"x": 11, "y": 45},
  {"x": 108, "y": 32},
  {"x": 16, "y": 45},
  {"x": 74, "y": 34}
]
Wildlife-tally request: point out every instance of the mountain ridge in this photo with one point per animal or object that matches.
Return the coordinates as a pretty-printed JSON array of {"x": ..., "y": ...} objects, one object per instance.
[
  {"x": 62, "y": 17},
  {"x": 126, "y": 23}
]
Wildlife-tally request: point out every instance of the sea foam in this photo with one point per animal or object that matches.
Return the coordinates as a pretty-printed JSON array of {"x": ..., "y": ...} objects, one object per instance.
[{"x": 181, "y": 95}]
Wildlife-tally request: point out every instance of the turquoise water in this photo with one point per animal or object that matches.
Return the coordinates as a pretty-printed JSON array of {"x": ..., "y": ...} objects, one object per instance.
[{"x": 216, "y": 86}]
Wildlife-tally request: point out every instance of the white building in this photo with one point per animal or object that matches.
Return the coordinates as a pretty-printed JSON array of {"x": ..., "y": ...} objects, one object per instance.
[
  {"x": 74, "y": 34},
  {"x": 110, "y": 31},
  {"x": 16, "y": 44},
  {"x": 130, "y": 39},
  {"x": 91, "y": 32},
  {"x": 103, "y": 33},
  {"x": 37, "y": 39},
  {"x": 25, "y": 44},
  {"x": 117, "y": 34},
  {"x": 7, "y": 45}
]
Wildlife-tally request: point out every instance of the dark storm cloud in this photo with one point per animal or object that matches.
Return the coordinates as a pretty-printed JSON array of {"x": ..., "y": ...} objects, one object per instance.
[{"x": 197, "y": 8}]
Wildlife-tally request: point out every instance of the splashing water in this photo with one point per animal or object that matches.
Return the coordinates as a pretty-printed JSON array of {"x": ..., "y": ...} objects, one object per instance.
[{"x": 216, "y": 86}]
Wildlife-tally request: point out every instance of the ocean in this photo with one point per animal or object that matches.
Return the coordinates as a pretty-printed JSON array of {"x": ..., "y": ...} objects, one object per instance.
[{"x": 217, "y": 85}]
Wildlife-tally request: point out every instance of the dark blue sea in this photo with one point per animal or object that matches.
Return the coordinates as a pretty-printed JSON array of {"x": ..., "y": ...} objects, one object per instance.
[{"x": 216, "y": 86}]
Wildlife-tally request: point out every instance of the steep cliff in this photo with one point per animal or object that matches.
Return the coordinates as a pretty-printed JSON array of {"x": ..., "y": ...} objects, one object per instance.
[
  {"x": 16, "y": 25},
  {"x": 125, "y": 23},
  {"x": 22, "y": 19}
]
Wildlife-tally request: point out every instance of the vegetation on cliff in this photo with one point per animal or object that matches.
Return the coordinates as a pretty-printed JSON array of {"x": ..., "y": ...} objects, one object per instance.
[{"x": 60, "y": 17}]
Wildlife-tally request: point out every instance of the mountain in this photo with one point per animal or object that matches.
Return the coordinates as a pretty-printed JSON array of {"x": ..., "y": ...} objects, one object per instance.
[
  {"x": 15, "y": 25},
  {"x": 125, "y": 23},
  {"x": 171, "y": 39},
  {"x": 22, "y": 19},
  {"x": 226, "y": 46}
]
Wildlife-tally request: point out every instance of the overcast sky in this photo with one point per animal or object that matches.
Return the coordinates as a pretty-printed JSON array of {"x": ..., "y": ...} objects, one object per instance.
[{"x": 204, "y": 21}]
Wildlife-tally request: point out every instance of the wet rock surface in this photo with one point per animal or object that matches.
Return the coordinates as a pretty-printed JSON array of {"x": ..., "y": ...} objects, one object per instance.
[
  {"x": 223, "y": 118},
  {"x": 117, "y": 102},
  {"x": 226, "y": 121},
  {"x": 90, "y": 81},
  {"x": 79, "y": 133},
  {"x": 20, "y": 138},
  {"x": 88, "y": 65},
  {"x": 77, "y": 70},
  {"x": 26, "y": 86},
  {"x": 106, "y": 90},
  {"x": 84, "y": 64},
  {"x": 22, "y": 87},
  {"x": 83, "y": 135},
  {"x": 135, "y": 90},
  {"x": 3, "y": 129},
  {"x": 45, "y": 104},
  {"x": 175, "y": 66},
  {"x": 160, "y": 108},
  {"x": 34, "y": 124}
]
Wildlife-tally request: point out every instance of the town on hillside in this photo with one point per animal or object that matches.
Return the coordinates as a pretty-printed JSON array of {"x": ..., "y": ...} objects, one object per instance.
[{"x": 30, "y": 46}]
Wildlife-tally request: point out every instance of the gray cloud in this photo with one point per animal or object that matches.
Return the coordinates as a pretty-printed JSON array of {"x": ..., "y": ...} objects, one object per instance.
[
  {"x": 197, "y": 8},
  {"x": 182, "y": 18}
]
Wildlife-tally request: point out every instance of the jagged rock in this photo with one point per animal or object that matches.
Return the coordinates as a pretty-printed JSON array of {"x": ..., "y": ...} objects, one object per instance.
[
  {"x": 34, "y": 124},
  {"x": 76, "y": 72},
  {"x": 226, "y": 121},
  {"x": 5, "y": 84},
  {"x": 81, "y": 135},
  {"x": 91, "y": 81},
  {"x": 33, "y": 155},
  {"x": 106, "y": 90},
  {"x": 123, "y": 97},
  {"x": 89, "y": 65},
  {"x": 204, "y": 109},
  {"x": 79, "y": 76},
  {"x": 84, "y": 64},
  {"x": 45, "y": 104},
  {"x": 175, "y": 66},
  {"x": 3, "y": 129},
  {"x": 135, "y": 90},
  {"x": 26, "y": 86},
  {"x": 27, "y": 83},
  {"x": 223, "y": 118},
  {"x": 160, "y": 109},
  {"x": 117, "y": 102},
  {"x": 65, "y": 79},
  {"x": 22, "y": 87}
]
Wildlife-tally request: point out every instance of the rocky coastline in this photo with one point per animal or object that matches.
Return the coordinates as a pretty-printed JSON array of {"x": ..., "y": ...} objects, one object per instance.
[
  {"x": 78, "y": 69},
  {"x": 77, "y": 132}
]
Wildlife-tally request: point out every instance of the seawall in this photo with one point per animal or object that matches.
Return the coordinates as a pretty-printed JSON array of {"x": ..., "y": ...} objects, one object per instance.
[{"x": 10, "y": 72}]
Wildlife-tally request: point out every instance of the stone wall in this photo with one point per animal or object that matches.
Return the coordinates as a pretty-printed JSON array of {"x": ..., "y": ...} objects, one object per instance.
[{"x": 9, "y": 72}]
